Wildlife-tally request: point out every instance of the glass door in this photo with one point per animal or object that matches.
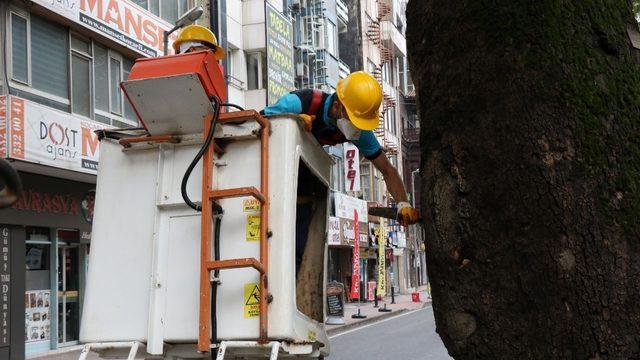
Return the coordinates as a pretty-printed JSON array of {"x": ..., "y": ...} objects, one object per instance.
[{"x": 68, "y": 295}]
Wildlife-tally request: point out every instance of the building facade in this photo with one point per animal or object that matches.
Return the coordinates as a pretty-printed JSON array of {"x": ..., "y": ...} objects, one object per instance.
[{"x": 62, "y": 63}]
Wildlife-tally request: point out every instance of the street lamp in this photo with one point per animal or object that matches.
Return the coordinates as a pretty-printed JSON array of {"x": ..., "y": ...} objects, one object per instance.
[{"x": 188, "y": 18}]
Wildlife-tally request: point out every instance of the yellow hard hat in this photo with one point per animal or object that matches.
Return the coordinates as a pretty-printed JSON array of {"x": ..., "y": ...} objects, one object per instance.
[
  {"x": 361, "y": 96},
  {"x": 199, "y": 33}
]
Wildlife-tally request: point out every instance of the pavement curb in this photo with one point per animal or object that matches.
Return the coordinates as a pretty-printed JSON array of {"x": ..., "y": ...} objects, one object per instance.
[{"x": 396, "y": 312}]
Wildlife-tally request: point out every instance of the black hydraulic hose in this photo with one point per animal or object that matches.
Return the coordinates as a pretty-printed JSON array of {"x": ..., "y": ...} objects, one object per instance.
[
  {"x": 218, "y": 211},
  {"x": 183, "y": 187},
  {"x": 233, "y": 106}
]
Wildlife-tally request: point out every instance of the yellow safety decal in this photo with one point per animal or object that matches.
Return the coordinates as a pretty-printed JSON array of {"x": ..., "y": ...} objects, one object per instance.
[
  {"x": 311, "y": 335},
  {"x": 250, "y": 205},
  {"x": 251, "y": 300},
  {"x": 253, "y": 227}
]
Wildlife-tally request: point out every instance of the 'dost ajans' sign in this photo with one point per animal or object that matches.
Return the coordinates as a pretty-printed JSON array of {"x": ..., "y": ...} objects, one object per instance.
[{"x": 41, "y": 135}]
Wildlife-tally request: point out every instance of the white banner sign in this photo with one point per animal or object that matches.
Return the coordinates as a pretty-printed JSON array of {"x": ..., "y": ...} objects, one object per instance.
[
  {"x": 351, "y": 167},
  {"x": 333, "y": 235},
  {"x": 119, "y": 20},
  {"x": 346, "y": 204},
  {"x": 42, "y": 135}
]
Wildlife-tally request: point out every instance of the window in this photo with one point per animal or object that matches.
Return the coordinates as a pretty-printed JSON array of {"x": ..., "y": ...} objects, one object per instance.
[
  {"x": 80, "y": 76},
  {"x": 67, "y": 71},
  {"x": 169, "y": 10},
  {"x": 256, "y": 71},
  {"x": 332, "y": 39},
  {"x": 337, "y": 174},
  {"x": 19, "y": 54},
  {"x": 365, "y": 182}
]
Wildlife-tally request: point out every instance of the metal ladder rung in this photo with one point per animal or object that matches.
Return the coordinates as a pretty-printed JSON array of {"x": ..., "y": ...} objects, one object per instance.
[
  {"x": 236, "y": 264},
  {"x": 237, "y": 192},
  {"x": 274, "y": 345}
]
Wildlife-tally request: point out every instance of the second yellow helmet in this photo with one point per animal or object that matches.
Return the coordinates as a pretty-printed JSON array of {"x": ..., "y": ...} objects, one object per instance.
[{"x": 199, "y": 33}]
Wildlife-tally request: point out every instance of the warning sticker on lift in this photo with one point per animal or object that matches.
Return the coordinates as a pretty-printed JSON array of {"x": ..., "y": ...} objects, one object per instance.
[
  {"x": 253, "y": 227},
  {"x": 250, "y": 205},
  {"x": 251, "y": 300}
]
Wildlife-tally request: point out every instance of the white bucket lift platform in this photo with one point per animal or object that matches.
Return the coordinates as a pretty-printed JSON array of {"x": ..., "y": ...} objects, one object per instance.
[
  {"x": 143, "y": 279},
  {"x": 154, "y": 260}
]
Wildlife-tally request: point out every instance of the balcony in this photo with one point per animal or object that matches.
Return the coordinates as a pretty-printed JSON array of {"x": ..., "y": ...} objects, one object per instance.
[
  {"x": 342, "y": 11},
  {"x": 391, "y": 34}
]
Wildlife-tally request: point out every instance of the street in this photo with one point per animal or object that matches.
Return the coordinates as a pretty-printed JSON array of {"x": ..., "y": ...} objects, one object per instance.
[{"x": 408, "y": 336}]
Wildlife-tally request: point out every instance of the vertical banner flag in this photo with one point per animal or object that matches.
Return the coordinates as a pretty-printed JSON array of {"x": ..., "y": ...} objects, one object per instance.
[
  {"x": 355, "y": 272},
  {"x": 382, "y": 282},
  {"x": 351, "y": 167},
  {"x": 279, "y": 41},
  {"x": 3, "y": 126}
]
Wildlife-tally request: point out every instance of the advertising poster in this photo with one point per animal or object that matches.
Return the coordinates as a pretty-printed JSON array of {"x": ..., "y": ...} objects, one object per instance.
[
  {"x": 280, "y": 75},
  {"x": 5, "y": 286},
  {"x": 351, "y": 167},
  {"x": 382, "y": 237},
  {"x": 333, "y": 233},
  {"x": 119, "y": 20},
  {"x": 355, "y": 271},
  {"x": 50, "y": 137},
  {"x": 37, "y": 325}
]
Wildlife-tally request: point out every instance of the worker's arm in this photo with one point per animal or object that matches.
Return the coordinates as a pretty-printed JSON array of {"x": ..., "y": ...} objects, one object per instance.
[
  {"x": 288, "y": 104},
  {"x": 391, "y": 178},
  {"x": 370, "y": 148}
]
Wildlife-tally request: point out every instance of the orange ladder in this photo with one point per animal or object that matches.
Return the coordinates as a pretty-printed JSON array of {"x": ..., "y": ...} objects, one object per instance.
[{"x": 207, "y": 264}]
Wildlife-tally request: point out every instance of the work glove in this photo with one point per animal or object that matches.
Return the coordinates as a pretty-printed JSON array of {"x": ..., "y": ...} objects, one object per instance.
[
  {"x": 407, "y": 214},
  {"x": 307, "y": 121}
]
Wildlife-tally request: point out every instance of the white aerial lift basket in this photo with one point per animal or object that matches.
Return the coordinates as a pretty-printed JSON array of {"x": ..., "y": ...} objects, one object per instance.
[{"x": 144, "y": 267}]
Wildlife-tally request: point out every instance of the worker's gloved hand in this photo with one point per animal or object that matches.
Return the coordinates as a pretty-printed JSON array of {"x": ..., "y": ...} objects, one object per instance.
[
  {"x": 307, "y": 120},
  {"x": 407, "y": 214}
]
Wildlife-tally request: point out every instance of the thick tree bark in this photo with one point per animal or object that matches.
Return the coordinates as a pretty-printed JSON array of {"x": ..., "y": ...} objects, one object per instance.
[{"x": 531, "y": 169}]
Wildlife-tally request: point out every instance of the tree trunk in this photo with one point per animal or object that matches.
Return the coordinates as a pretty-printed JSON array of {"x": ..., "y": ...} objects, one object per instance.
[{"x": 531, "y": 175}]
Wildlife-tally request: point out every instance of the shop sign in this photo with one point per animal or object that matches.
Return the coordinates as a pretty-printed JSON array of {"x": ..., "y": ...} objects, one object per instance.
[
  {"x": 355, "y": 271},
  {"x": 347, "y": 232},
  {"x": 279, "y": 40},
  {"x": 345, "y": 205},
  {"x": 351, "y": 167},
  {"x": 335, "y": 293},
  {"x": 333, "y": 233},
  {"x": 119, "y": 20},
  {"x": 3, "y": 126},
  {"x": 5, "y": 286},
  {"x": 42, "y": 135},
  {"x": 382, "y": 236},
  {"x": 47, "y": 202}
]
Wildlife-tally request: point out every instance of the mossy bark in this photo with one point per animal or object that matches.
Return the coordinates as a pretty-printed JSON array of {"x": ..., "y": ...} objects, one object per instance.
[{"x": 530, "y": 168}]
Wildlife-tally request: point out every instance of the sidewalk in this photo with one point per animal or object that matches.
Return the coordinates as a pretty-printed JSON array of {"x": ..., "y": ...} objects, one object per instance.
[{"x": 402, "y": 304}]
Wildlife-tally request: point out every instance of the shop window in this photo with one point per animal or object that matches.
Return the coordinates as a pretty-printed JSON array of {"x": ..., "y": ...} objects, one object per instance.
[{"x": 37, "y": 296}]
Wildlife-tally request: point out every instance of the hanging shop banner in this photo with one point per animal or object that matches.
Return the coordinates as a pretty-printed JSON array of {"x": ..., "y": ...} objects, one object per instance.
[
  {"x": 280, "y": 76},
  {"x": 3, "y": 126},
  {"x": 333, "y": 233},
  {"x": 351, "y": 167},
  {"x": 45, "y": 136},
  {"x": 37, "y": 316},
  {"x": 5, "y": 286},
  {"x": 355, "y": 271},
  {"x": 347, "y": 232},
  {"x": 382, "y": 237},
  {"x": 119, "y": 20},
  {"x": 345, "y": 205}
]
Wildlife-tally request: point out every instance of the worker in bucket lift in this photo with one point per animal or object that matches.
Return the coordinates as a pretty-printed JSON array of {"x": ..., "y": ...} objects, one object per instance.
[
  {"x": 195, "y": 38},
  {"x": 350, "y": 114}
]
